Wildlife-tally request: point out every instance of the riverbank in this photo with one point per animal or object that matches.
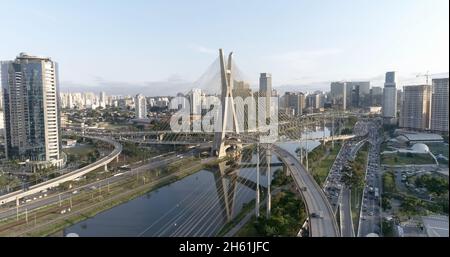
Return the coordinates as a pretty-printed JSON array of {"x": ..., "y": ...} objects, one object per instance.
[
  {"x": 51, "y": 219},
  {"x": 287, "y": 216}
]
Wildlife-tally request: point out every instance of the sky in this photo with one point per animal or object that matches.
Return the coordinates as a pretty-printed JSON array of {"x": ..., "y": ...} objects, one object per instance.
[{"x": 160, "y": 45}]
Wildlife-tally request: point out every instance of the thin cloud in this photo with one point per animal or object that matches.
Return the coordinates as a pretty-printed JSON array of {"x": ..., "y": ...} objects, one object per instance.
[
  {"x": 292, "y": 55},
  {"x": 203, "y": 50}
]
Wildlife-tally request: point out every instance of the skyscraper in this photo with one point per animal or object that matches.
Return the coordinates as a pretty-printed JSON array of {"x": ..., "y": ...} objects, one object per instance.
[
  {"x": 363, "y": 94},
  {"x": 313, "y": 101},
  {"x": 376, "y": 96},
  {"x": 195, "y": 100},
  {"x": 356, "y": 98},
  {"x": 339, "y": 94},
  {"x": 265, "y": 84},
  {"x": 439, "y": 105},
  {"x": 390, "y": 98},
  {"x": 295, "y": 101},
  {"x": 265, "y": 90},
  {"x": 400, "y": 99},
  {"x": 31, "y": 104},
  {"x": 242, "y": 89},
  {"x": 415, "y": 113},
  {"x": 140, "y": 106},
  {"x": 103, "y": 101}
]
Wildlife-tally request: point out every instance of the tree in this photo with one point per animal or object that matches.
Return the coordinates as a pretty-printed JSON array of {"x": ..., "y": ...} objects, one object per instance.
[{"x": 386, "y": 203}]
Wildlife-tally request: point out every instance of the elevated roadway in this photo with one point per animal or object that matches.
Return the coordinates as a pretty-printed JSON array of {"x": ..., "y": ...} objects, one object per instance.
[
  {"x": 15, "y": 196},
  {"x": 322, "y": 222}
]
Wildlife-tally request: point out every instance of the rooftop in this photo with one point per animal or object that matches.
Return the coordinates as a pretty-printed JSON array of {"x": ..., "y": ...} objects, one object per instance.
[{"x": 416, "y": 136}]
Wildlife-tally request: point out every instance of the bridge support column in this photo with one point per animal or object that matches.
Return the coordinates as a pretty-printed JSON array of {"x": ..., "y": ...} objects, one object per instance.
[
  {"x": 117, "y": 159},
  {"x": 332, "y": 134},
  {"x": 269, "y": 181},
  {"x": 301, "y": 153},
  {"x": 286, "y": 170},
  {"x": 257, "y": 182},
  {"x": 106, "y": 167},
  {"x": 17, "y": 209}
]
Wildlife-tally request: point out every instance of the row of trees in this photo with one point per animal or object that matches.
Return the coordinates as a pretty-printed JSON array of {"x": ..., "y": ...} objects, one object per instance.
[
  {"x": 280, "y": 179},
  {"x": 433, "y": 184},
  {"x": 355, "y": 172},
  {"x": 287, "y": 216}
]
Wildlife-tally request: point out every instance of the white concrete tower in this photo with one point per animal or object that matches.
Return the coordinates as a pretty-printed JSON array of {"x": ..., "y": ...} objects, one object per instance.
[{"x": 228, "y": 112}]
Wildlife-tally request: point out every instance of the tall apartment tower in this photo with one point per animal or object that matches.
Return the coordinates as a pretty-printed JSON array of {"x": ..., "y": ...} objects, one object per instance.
[
  {"x": 390, "y": 97},
  {"x": 439, "y": 105},
  {"x": 31, "y": 109},
  {"x": 195, "y": 99},
  {"x": 140, "y": 106},
  {"x": 295, "y": 101},
  {"x": 415, "y": 113},
  {"x": 103, "y": 101}
]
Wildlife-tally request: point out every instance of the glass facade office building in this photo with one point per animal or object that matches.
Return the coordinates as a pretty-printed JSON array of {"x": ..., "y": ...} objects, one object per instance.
[{"x": 31, "y": 108}]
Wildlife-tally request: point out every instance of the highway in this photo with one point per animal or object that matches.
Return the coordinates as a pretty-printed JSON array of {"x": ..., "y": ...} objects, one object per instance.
[
  {"x": 345, "y": 211},
  {"x": 346, "y": 220},
  {"x": 54, "y": 196},
  {"x": 322, "y": 222},
  {"x": 370, "y": 216},
  {"x": 66, "y": 177}
]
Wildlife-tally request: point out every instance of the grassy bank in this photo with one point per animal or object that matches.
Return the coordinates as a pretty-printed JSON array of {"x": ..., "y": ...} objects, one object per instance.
[
  {"x": 321, "y": 159},
  {"x": 49, "y": 220},
  {"x": 406, "y": 159}
]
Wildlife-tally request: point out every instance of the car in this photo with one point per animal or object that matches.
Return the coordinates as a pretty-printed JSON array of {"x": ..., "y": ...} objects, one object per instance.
[
  {"x": 315, "y": 215},
  {"x": 370, "y": 213}
]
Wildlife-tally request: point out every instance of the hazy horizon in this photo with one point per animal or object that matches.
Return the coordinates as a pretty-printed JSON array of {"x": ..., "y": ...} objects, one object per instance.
[{"x": 160, "y": 47}]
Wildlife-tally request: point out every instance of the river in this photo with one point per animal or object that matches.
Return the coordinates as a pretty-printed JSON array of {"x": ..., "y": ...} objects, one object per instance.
[{"x": 197, "y": 205}]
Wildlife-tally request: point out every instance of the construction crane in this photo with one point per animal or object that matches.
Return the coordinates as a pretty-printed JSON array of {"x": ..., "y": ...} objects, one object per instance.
[{"x": 426, "y": 75}]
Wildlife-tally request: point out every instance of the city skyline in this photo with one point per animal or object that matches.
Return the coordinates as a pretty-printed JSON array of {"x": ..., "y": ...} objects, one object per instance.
[
  {"x": 182, "y": 119},
  {"x": 300, "y": 52}
]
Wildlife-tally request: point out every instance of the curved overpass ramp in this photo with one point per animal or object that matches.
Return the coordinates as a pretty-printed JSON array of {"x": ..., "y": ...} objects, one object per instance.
[
  {"x": 66, "y": 177},
  {"x": 314, "y": 198}
]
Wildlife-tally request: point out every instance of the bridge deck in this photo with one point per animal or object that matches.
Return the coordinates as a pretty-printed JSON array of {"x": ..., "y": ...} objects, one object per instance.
[{"x": 314, "y": 198}]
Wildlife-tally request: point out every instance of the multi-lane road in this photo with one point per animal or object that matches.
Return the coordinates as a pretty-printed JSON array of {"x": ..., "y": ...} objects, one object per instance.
[
  {"x": 53, "y": 197},
  {"x": 345, "y": 211},
  {"x": 370, "y": 214},
  {"x": 17, "y": 195},
  {"x": 322, "y": 222}
]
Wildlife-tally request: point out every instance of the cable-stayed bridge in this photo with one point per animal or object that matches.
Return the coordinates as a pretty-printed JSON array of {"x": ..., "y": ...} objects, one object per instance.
[{"x": 231, "y": 140}]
